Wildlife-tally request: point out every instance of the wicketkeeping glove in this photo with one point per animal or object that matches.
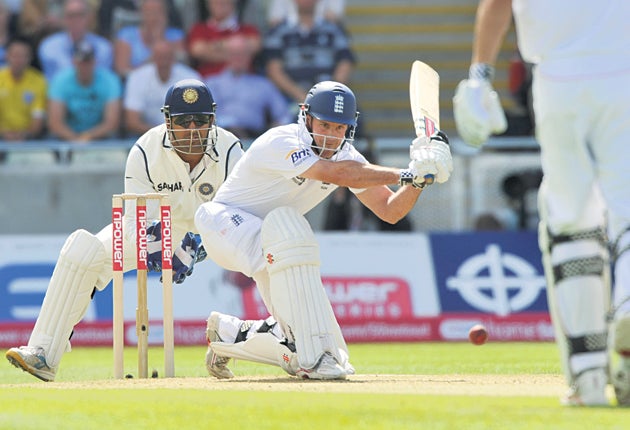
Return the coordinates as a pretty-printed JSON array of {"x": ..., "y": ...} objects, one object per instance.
[
  {"x": 477, "y": 108},
  {"x": 185, "y": 256},
  {"x": 154, "y": 247}
]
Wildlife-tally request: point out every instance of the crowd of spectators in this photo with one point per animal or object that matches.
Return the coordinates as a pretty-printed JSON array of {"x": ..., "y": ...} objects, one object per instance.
[{"x": 83, "y": 70}]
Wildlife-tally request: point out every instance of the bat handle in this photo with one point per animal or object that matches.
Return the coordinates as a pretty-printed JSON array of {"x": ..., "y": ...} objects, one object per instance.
[{"x": 430, "y": 129}]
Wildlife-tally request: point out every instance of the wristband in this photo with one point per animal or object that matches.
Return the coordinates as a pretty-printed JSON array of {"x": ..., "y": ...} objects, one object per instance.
[
  {"x": 481, "y": 71},
  {"x": 406, "y": 178}
]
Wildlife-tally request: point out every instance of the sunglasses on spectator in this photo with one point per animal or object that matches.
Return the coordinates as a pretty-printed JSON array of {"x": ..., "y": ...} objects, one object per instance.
[{"x": 185, "y": 120}]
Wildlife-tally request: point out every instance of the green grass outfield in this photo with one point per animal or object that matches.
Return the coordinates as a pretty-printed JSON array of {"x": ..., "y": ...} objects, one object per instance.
[{"x": 397, "y": 386}]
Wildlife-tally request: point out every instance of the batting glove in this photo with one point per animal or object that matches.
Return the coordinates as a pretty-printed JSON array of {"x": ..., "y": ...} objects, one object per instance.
[
  {"x": 477, "y": 108},
  {"x": 431, "y": 161}
]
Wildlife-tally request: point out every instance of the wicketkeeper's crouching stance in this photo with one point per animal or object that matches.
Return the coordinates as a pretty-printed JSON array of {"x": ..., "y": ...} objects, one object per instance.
[
  {"x": 255, "y": 225},
  {"x": 187, "y": 158}
]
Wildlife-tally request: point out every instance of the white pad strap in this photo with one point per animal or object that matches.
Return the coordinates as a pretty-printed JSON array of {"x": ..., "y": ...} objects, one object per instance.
[
  {"x": 298, "y": 298},
  {"x": 80, "y": 263},
  {"x": 262, "y": 348}
]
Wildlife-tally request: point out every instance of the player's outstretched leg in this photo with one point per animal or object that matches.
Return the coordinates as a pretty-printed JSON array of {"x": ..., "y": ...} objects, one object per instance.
[
  {"x": 69, "y": 292},
  {"x": 32, "y": 359},
  {"x": 260, "y": 341}
]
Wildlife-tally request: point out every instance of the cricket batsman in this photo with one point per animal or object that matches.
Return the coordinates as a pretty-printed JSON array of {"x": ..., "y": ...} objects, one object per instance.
[{"x": 255, "y": 225}]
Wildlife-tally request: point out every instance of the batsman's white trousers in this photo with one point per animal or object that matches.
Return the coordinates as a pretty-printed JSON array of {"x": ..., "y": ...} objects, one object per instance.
[{"x": 231, "y": 238}]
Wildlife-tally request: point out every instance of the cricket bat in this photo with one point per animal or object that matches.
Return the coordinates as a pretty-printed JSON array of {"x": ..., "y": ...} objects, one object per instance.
[{"x": 424, "y": 97}]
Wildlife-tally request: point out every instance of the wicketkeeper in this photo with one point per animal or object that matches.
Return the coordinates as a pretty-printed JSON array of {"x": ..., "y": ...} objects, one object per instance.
[{"x": 188, "y": 157}]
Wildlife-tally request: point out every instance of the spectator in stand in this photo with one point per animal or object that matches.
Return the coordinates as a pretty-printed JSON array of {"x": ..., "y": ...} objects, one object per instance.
[
  {"x": 55, "y": 51},
  {"x": 116, "y": 14},
  {"x": 5, "y": 16},
  {"x": 132, "y": 46},
  {"x": 281, "y": 10},
  {"x": 14, "y": 6},
  {"x": 146, "y": 87},
  {"x": 7, "y": 29},
  {"x": 84, "y": 100},
  {"x": 247, "y": 104},
  {"x": 22, "y": 94},
  {"x": 40, "y": 18},
  {"x": 206, "y": 46},
  {"x": 189, "y": 12},
  {"x": 300, "y": 54}
]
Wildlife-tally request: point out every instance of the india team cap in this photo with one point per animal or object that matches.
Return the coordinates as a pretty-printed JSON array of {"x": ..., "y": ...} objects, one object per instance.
[{"x": 189, "y": 96}]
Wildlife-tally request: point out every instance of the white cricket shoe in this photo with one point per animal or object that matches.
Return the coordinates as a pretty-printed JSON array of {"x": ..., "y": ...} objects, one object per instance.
[
  {"x": 621, "y": 381},
  {"x": 589, "y": 389},
  {"x": 32, "y": 360},
  {"x": 216, "y": 365},
  {"x": 621, "y": 372},
  {"x": 326, "y": 368}
]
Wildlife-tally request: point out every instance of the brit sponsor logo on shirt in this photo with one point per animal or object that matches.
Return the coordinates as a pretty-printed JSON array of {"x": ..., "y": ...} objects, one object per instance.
[
  {"x": 298, "y": 156},
  {"x": 177, "y": 186}
]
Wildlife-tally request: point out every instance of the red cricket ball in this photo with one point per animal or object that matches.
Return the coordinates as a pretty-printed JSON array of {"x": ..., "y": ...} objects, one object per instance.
[{"x": 478, "y": 334}]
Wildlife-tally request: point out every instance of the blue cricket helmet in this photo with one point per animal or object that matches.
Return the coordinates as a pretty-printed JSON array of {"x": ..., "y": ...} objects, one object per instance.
[
  {"x": 332, "y": 101},
  {"x": 191, "y": 97},
  {"x": 188, "y": 96}
]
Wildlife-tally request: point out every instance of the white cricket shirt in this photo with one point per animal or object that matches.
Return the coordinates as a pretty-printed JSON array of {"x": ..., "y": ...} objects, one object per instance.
[{"x": 268, "y": 175}]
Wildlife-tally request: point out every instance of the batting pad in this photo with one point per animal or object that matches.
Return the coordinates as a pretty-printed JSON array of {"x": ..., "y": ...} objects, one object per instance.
[
  {"x": 80, "y": 262},
  {"x": 298, "y": 299},
  {"x": 577, "y": 270},
  {"x": 262, "y": 348}
]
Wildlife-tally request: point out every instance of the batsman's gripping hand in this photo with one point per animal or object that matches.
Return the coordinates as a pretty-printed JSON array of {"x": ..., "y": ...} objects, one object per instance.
[
  {"x": 185, "y": 256},
  {"x": 477, "y": 108},
  {"x": 431, "y": 160}
]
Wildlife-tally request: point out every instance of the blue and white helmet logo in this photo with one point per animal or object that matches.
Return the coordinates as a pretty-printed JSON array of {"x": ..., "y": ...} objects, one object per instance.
[{"x": 338, "y": 108}]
